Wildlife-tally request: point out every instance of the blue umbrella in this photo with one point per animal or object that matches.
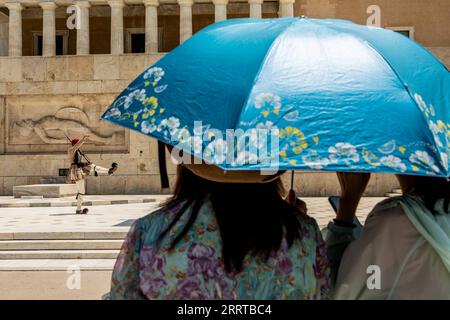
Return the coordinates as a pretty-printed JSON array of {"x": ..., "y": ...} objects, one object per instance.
[{"x": 333, "y": 96}]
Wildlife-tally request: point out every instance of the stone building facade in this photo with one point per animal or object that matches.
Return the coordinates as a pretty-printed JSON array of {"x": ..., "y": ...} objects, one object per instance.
[{"x": 56, "y": 81}]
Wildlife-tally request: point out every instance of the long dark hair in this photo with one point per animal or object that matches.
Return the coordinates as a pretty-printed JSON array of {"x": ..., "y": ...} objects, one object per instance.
[
  {"x": 252, "y": 218},
  {"x": 431, "y": 189}
]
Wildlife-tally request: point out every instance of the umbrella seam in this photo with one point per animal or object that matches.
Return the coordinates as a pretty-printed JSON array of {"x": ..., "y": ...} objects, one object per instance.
[
  {"x": 256, "y": 78},
  {"x": 405, "y": 85}
]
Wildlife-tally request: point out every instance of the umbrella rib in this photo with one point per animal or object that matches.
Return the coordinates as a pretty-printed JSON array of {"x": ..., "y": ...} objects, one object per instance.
[
  {"x": 256, "y": 78},
  {"x": 433, "y": 142}
]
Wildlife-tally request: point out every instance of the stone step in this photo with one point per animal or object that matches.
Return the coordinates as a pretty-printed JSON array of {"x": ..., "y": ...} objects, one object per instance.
[
  {"x": 56, "y": 264},
  {"x": 7, "y": 245},
  {"x": 66, "y": 235},
  {"x": 392, "y": 194},
  {"x": 32, "y": 201},
  {"x": 32, "y": 197},
  {"x": 58, "y": 254}
]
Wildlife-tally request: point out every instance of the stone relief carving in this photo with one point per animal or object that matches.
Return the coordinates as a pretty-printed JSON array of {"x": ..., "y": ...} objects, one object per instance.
[
  {"x": 55, "y": 130},
  {"x": 42, "y": 124}
]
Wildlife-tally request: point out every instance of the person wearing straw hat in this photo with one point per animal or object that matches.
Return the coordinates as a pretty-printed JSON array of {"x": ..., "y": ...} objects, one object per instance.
[
  {"x": 223, "y": 235},
  {"x": 80, "y": 168}
]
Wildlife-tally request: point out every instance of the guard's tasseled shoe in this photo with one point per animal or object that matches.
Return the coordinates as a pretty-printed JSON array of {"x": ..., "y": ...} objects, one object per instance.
[
  {"x": 113, "y": 168},
  {"x": 83, "y": 211}
]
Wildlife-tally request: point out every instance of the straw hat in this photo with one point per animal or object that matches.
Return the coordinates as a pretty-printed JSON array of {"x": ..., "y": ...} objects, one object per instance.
[
  {"x": 216, "y": 174},
  {"x": 213, "y": 173}
]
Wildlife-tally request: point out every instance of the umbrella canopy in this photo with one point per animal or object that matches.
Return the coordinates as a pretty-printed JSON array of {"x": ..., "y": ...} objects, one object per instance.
[{"x": 335, "y": 96}]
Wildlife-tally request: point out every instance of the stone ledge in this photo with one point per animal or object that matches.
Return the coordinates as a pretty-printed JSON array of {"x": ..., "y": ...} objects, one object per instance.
[
  {"x": 100, "y": 234},
  {"x": 46, "y": 191},
  {"x": 59, "y": 87},
  {"x": 57, "y": 264},
  {"x": 57, "y": 254},
  {"x": 34, "y": 69},
  {"x": 18, "y": 245}
]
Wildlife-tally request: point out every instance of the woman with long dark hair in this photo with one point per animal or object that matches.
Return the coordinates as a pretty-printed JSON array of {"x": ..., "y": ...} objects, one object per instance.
[
  {"x": 403, "y": 251},
  {"x": 223, "y": 240}
]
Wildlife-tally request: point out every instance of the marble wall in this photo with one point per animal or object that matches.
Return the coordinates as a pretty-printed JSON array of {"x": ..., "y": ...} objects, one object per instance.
[{"x": 44, "y": 99}]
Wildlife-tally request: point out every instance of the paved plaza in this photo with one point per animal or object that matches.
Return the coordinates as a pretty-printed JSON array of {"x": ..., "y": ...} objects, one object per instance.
[
  {"x": 63, "y": 218},
  {"x": 118, "y": 217},
  {"x": 45, "y": 285},
  {"x": 41, "y": 246}
]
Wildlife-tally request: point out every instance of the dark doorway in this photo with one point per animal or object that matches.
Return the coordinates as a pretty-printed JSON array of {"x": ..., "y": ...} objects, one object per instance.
[
  {"x": 59, "y": 45},
  {"x": 137, "y": 42}
]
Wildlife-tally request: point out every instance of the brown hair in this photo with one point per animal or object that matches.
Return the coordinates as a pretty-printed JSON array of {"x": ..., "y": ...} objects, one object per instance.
[{"x": 431, "y": 189}]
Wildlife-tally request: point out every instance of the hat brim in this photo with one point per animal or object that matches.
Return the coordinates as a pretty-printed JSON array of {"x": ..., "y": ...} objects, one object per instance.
[
  {"x": 216, "y": 174},
  {"x": 212, "y": 172}
]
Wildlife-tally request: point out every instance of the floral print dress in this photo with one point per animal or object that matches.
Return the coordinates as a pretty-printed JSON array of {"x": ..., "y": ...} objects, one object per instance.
[{"x": 194, "y": 268}]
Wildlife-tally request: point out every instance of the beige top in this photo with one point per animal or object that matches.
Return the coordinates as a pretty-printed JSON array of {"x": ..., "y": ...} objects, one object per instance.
[{"x": 409, "y": 267}]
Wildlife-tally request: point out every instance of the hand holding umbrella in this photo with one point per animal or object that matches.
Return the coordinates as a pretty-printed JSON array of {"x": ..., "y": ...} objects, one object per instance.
[{"x": 353, "y": 186}]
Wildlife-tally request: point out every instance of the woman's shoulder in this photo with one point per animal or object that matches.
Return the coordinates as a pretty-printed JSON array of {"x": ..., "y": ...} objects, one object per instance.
[
  {"x": 309, "y": 227},
  {"x": 306, "y": 219},
  {"x": 390, "y": 205},
  {"x": 388, "y": 217},
  {"x": 389, "y": 202}
]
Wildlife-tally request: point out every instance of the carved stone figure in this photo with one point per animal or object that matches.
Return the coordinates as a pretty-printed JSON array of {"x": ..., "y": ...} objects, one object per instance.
[{"x": 53, "y": 130}]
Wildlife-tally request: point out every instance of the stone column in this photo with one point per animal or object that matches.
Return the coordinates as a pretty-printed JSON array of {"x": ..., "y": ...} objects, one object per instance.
[
  {"x": 286, "y": 8},
  {"x": 185, "y": 19},
  {"x": 15, "y": 28},
  {"x": 220, "y": 10},
  {"x": 83, "y": 31},
  {"x": 151, "y": 25},
  {"x": 116, "y": 26},
  {"x": 255, "y": 8},
  {"x": 48, "y": 29}
]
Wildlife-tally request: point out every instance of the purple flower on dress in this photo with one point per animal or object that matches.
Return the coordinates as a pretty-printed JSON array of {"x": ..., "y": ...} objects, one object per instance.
[
  {"x": 284, "y": 263},
  {"x": 208, "y": 268},
  {"x": 202, "y": 261},
  {"x": 151, "y": 259},
  {"x": 321, "y": 264},
  {"x": 198, "y": 250},
  {"x": 306, "y": 233},
  {"x": 152, "y": 275},
  {"x": 190, "y": 289},
  {"x": 151, "y": 287}
]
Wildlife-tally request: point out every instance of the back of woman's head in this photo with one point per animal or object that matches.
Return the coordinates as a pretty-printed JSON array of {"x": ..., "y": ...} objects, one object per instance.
[
  {"x": 252, "y": 218},
  {"x": 432, "y": 189},
  {"x": 188, "y": 186}
]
